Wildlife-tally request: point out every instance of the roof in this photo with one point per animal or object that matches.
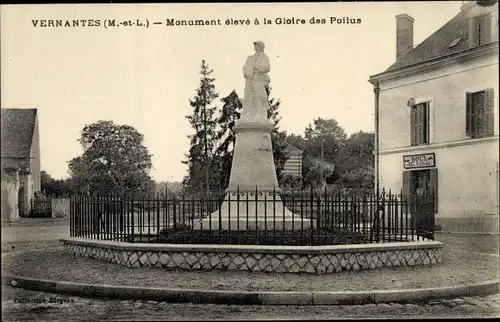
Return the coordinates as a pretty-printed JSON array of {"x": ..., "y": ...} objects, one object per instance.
[
  {"x": 438, "y": 44},
  {"x": 17, "y": 129},
  {"x": 290, "y": 147}
]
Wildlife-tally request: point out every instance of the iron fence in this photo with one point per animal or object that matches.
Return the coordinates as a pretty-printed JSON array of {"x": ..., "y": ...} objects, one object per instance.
[{"x": 255, "y": 218}]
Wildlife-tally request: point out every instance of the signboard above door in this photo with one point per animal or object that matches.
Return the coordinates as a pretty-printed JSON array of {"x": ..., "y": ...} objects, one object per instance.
[{"x": 416, "y": 161}]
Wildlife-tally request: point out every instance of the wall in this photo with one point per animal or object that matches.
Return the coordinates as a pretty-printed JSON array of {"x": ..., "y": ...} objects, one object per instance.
[
  {"x": 35, "y": 161},
  {"x": 293, "y": 166},
  {"x": 446, "y": 89},
  {"x": 24, "y": 180},
  {"x": 280, "y": 259},
  {"x": 60, "y": 208},
  {"x": 9, "y": 190},
  {"x": 26, "y": 183},
  {"x": 467, "y": 179},
  {"x": 463, "y": 173}
]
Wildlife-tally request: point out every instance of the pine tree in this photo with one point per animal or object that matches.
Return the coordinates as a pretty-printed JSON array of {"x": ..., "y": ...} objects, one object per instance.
[
  {"x": 200, "y": 158},
  {"x": 230, "y": 112},
  {"x": 278, "y": 138}
]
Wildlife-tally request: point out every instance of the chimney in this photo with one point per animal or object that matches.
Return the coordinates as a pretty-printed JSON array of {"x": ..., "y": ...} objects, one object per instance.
[{"x": 404, "y": 34}]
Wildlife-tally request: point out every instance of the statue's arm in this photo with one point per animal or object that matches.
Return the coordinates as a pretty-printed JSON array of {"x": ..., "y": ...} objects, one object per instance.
[{"x": 262, "y": 64}]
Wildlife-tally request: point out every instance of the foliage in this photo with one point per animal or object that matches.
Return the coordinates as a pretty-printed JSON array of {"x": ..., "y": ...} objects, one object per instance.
[
  {"x": 280, "y": 155},
  {"x": 278, "y": 138},
  {"x": 312, "y": 175},
  {"x": 296, "y": 140},
  {"x": 358, "y": 162},
  {"x": 114, "y": 160},
  {"x": 329, "y": 134},
  {"x": 230, "y": 112},
  {"x": 55, "y": 188},
  {"x": 291, "y": 183},
  {"x": 358, "y": 151},
  {"x": 358, "y": 179},
  {"x": 348, "y": 161},
  {"x": 200, "y": 159}
]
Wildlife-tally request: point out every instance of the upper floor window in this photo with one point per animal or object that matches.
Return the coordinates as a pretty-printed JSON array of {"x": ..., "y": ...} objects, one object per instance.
[
  {"x": 483, "y": 29},
  {"x": 420, "y": 123},
  {"x": 479, "y": 114}
]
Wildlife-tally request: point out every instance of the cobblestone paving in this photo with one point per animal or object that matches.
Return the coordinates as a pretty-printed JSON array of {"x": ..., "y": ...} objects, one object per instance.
[{"x": 15, "y": 307}]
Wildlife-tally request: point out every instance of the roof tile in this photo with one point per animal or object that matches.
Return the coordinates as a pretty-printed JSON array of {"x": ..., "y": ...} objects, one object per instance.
[
  {"x": 438, "y": 44},
  {"x": 17, "y": 127}
]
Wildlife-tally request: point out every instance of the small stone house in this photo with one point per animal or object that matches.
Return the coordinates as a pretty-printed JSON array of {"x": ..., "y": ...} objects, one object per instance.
[{"x": 20, "y": 161}]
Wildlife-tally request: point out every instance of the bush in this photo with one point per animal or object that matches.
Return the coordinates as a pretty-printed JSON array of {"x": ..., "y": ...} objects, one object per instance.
[{"x": 260, "y": 237}]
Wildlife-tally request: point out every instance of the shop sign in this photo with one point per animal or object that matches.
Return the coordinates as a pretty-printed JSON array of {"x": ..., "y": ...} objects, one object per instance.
[{"x": 427, "y": 160}]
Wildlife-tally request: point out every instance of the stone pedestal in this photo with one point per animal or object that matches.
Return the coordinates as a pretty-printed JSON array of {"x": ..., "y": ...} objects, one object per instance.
[{"x": 253, "y": 171}]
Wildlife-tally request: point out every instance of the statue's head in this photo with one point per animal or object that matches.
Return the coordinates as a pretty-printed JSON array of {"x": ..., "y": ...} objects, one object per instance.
[{"x": 259, "y": 46}]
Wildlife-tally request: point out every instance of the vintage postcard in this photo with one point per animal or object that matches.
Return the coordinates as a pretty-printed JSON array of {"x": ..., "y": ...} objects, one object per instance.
[{"x": 207, "y": 161}]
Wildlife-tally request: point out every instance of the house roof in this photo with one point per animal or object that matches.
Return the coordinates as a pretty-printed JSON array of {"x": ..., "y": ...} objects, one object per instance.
[
  {"x": 438, "y": 44},
  {"x": 17, "y": 129},
  {"x": 290, "y": 147}
]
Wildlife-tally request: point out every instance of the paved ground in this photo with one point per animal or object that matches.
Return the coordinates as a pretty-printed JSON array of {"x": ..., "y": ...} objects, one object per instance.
[
  {"x": 35, "y": 229},
  {"x": 53, "y": 264},
  {"x": 467, "y": 260},
  {"x": 69, "y": 308}
]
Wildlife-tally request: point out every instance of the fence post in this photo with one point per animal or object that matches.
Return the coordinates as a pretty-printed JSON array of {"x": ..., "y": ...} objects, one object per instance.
[
  {"x": 319, "y": 213},
  {"x": 311, "y": 222},
  {"x": 384, "y": 215}
]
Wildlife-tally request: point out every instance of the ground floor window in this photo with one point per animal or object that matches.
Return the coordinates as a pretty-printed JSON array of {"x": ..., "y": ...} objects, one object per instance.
[{"x": 420, "y": 182}]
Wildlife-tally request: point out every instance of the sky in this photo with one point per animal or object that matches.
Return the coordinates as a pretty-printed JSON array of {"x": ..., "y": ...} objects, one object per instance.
[{"x": 144, "y": 77}]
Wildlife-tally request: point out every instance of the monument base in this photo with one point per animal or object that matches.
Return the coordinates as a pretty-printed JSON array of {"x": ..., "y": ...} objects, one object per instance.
[{"x": 254, "y": 214}]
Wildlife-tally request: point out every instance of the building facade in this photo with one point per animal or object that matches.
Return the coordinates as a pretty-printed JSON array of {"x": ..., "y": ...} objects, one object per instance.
[
  {"x": 293, "y": 165},
  {"x": 437, "y": 118},
  {"x": 20, "y": 156}
]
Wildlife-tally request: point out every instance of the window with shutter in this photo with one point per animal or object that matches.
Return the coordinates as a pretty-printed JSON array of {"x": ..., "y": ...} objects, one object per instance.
[
  {"x": 472, "y": 32},
  {"x": 489, "y": 101},
  {"x": 420, "y": 124},
  {"x": 412, "y": 126},
  {"x": 468, "y": 114},
  {"x": 479, "y": 114},
  {"x": 483, "y": 29},
  {"x": 425, "y": 124}
]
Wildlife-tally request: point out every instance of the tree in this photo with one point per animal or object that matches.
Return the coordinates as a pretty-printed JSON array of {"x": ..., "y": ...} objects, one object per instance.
[
  {"x": 334, "y": 137},
  {"x": 314, "y": 168},
  {"x": 358, "y": 151},
  {"x": 278, "y": 138},
  {"x": 296, "y": 140},
  {"x": 55, "y": 188},
  {"x": 114, "y": 160},
  {"x": 331, "y": 133},
  {"x": 358, "y": 161},
  {"x": 200, "y": 159},
  {"x": 230, "y": 112},
  {"x": 45, "y": 179}
]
